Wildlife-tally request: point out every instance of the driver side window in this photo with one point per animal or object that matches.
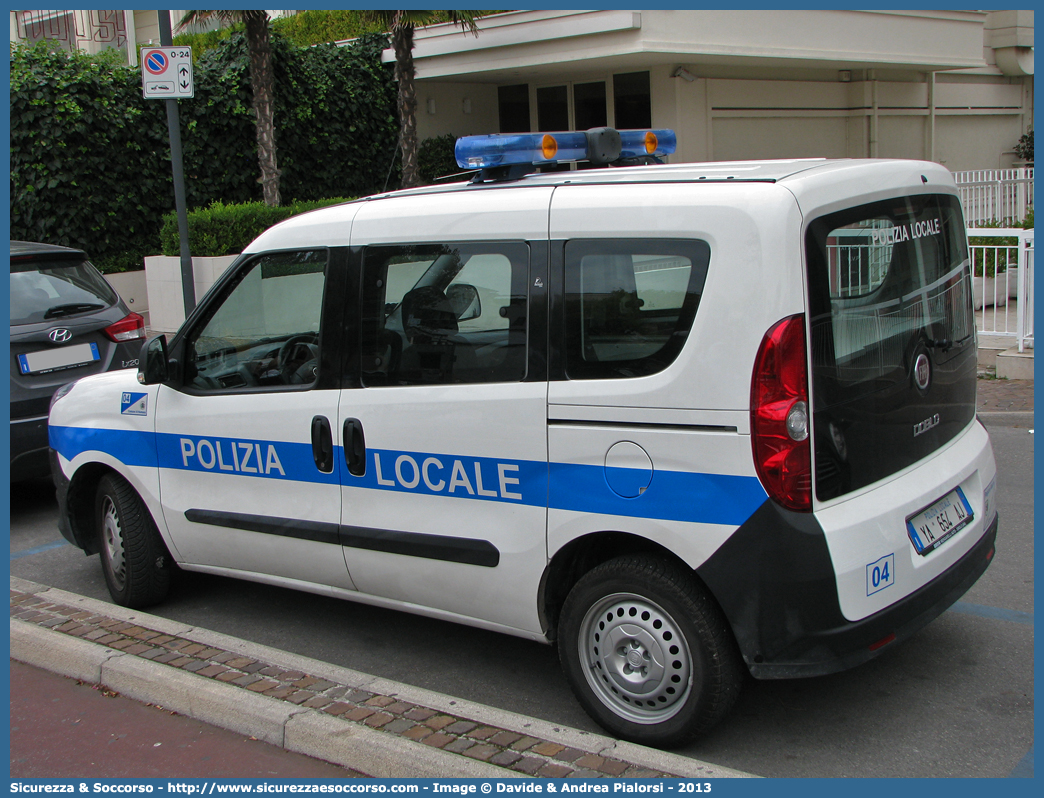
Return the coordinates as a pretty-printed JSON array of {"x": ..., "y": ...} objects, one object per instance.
[{"x": 265, "y": 330}]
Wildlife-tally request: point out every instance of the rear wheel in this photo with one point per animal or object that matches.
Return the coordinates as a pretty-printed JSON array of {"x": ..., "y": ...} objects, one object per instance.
[
  {"x": 647, "y": 652},
  {"x": 134, "y": 559}
]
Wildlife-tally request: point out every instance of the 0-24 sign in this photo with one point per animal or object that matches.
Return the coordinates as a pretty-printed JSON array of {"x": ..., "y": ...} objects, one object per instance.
[{"x": 166, "y": 73}]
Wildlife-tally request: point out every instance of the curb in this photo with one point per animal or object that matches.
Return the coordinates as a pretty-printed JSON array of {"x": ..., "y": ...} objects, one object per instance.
[
  {"x": 1006, "y": 418},
  {"x": 376, "y": 726}
]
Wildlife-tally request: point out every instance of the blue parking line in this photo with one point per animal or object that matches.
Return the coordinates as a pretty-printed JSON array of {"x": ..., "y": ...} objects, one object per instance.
[
  {"x": 1023, "y": 770},
  {"x": 993, "y": 613},
  {"x": 17, "y": 555}
]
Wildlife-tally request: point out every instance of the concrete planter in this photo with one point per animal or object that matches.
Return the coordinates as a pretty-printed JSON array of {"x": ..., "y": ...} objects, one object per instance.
[
  {"x": 163, "y": 277},
  {"x": 986, "y": 292},
  {"x": 131, "y": 286}
]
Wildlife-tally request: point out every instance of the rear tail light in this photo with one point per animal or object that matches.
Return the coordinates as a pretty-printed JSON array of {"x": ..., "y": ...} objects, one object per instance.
[
  {"x": 129, "y": 328},
  {"x": 779, "y": 415}
]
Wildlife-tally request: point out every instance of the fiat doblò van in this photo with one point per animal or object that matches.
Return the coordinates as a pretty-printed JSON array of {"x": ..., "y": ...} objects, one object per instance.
[{"x": 682, "y": 421}]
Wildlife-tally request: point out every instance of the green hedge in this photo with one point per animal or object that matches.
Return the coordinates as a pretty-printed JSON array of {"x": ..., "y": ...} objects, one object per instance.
[
  {"x": 90, "y": 158},
  {"x": 85, "y": 168},
  {"x": 1004, "y": 250},
  {"x": 222, "y": 229},
  {"x": 435, "y": 159}
]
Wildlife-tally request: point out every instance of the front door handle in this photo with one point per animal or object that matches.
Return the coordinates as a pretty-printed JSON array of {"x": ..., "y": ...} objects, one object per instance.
[
  {"x": 322, "y": 444},
  {"x": 354, "y": 447}
]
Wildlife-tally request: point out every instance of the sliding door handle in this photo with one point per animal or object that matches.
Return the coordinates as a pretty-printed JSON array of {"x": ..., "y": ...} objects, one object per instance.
[
  {"x": 322, "y": 444},
  {"x": 354, "y": 447}
]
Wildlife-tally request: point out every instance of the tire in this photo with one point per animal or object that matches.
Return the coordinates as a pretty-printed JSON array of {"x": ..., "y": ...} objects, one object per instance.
[
  {"x": 673, "y": 670},
  {"x": 135, "y": 561}
]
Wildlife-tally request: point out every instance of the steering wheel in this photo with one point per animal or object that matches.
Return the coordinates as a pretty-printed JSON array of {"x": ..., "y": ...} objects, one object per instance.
[{"x": 289, "y": 359}]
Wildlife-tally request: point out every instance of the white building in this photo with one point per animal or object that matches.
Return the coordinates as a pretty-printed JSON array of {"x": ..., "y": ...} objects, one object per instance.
[
  {"x": 949, "y": 86},
  {"x": 95, "y": 30},
  {"x": 954, "y": 87}
]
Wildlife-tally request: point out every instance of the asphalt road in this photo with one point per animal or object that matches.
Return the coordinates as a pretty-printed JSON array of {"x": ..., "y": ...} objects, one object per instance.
[{"x": 955, "y": 701}]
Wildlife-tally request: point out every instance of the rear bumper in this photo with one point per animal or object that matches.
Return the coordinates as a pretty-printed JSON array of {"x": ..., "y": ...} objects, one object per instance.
[{"x": 783, "y": 606}]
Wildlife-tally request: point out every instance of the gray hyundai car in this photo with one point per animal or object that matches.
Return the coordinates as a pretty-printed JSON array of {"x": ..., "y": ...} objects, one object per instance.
[{"x": 66, "y": 322}]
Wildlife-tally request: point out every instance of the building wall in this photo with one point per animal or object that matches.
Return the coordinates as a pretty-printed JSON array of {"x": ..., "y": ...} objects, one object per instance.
[
  {"x": 975, "y": 122},
  {"x": 450, "y": 101},
  {"x": 949, "y": 86}
]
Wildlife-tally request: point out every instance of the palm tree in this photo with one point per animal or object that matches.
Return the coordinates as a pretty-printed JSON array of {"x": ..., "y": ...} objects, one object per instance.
[
  {"x": 262, "y": 82},
  {"x": 401, "y": 24}
]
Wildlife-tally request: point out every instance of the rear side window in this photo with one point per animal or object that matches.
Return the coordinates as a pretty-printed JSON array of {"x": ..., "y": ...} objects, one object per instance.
[
  {"x": 630, "y": 303},
  {"x": 439, "y": 314},
  {"x": 46, "y": 290}
]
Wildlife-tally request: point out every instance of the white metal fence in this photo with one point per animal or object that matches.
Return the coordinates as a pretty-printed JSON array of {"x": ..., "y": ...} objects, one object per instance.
[
  {"x": 995, "y": 195},
  {"x": 1002, "y": 282}
]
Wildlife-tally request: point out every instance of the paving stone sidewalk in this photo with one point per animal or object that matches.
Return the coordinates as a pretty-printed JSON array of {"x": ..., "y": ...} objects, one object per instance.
[
  {"x": 454, "y": 733},
  {"x": 1004, "y": 396}
]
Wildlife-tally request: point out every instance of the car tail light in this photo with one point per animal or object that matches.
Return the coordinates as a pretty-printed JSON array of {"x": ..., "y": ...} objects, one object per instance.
[
  {"x": 779, "y": 415},
  {"x": 129, "y": 328}
]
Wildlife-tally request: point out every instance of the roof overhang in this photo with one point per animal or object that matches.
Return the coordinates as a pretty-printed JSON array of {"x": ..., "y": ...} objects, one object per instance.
[{"x": 530, "y": 45}]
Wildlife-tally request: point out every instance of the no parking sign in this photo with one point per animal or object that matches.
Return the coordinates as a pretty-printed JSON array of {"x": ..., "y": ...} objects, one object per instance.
[{"x": 166, "y": 73}]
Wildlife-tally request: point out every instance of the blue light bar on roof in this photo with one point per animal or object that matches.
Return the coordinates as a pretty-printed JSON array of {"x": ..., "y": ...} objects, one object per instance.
[
  {"x": 511, "y": 149},
  {"x": 639, "y": 143},
  {"x": 483, "y": 152}
]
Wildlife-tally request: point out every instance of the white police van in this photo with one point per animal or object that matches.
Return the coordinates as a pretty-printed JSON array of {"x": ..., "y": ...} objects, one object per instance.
[{"x": 685, "y": 421}]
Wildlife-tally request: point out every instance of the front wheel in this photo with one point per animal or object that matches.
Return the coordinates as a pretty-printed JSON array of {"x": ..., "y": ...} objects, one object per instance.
[
  {"x": 647, "y": 652},
  {"x": 134, "y": 559}
]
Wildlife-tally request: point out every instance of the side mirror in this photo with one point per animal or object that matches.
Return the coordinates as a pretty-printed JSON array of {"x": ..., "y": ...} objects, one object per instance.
[
  {"x": 465, "y": 301},
  {"x": 154, "y": 363}
]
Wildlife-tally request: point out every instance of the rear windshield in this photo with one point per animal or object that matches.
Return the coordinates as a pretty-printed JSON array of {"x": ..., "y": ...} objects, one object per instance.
[
  {"x": 49, "y": 290},
  {"x": 893, "y": 337}
]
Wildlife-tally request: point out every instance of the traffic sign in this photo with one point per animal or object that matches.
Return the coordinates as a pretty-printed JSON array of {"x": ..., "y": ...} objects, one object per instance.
[{"x": 166, "y": 73}]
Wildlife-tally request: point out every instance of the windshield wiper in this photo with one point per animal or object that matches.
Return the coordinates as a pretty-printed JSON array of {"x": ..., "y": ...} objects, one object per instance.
[{"x": 71, "y": 309}]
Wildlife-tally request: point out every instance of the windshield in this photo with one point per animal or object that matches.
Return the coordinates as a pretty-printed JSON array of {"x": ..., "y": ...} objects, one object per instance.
[{"x": 48, "y": 290}]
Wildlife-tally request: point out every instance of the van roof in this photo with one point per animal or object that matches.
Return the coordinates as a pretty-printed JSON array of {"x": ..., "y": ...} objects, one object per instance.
[
  {"x": 776, "y": 171},
  {"x": 813, "y": 182}
]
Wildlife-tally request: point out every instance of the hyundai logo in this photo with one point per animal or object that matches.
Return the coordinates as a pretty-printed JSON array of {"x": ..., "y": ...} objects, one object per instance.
[{"x": 59, "y": 336}]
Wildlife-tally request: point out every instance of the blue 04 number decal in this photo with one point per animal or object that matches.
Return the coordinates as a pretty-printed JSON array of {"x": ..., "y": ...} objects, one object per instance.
[{"x": 880, "y": 574}]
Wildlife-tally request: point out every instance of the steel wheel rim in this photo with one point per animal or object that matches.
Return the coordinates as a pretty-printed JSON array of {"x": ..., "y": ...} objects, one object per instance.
[
  {"x": 635, "y": 658},
  {"x": 112, "y": 536}
]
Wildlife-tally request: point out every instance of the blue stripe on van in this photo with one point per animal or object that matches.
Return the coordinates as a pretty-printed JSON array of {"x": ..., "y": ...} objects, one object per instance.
[
  {"x": 130, "y": 447},
  {"x": 671, "y": 495}
]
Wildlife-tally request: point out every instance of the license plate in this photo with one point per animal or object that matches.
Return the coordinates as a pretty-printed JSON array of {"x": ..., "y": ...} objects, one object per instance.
[
  {"x": 936, "y": 524},
  {"x": 65, "y": 357}
]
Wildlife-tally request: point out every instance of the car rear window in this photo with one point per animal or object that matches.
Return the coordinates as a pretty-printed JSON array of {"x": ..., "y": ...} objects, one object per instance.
[
  {"x": 893, "y": 337},
  {"x": 49, "y": 290}
]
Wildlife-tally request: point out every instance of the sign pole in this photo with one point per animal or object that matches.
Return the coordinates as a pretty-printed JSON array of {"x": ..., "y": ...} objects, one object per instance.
[{"x": 188, "y": 287}]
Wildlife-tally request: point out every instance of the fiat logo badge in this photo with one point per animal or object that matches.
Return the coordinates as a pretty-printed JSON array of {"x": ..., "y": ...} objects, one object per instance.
[
  {"x": 59, "y": 336},
  {"x": 922, "y": 371}
]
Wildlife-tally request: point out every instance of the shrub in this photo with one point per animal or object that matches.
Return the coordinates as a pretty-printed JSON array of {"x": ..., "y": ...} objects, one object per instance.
[
  {"x": 1024, "y": 149},
  {"x": 1000, "y": 251},
  {"x": 306, "y": 28},
  {"x": 90, "y": 162},
  {"x": 85, "y": 164},
  {"x": 435, "y": 158},
  {"x": 222, "y": 229}
]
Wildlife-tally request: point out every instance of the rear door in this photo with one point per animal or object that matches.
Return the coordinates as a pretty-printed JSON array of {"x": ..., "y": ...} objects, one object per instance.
[
  {"x": 445, "y": 482},
  {"x": 893, "y": 338}
]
